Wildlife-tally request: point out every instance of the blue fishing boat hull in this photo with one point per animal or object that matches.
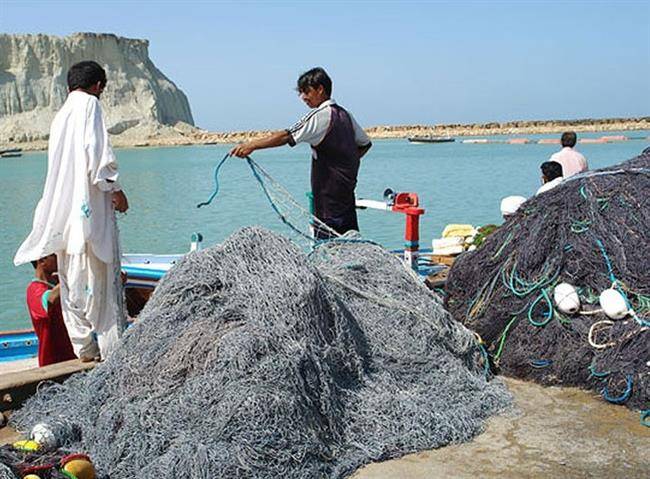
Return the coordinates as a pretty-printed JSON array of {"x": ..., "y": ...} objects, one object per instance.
[{"x": 16, "y": 345}]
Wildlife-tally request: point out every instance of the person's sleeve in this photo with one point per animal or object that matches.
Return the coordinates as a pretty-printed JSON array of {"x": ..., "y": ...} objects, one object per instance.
[
  {"x": 311, "y": 128},
  {"x": 360, "y": 136},
  {"x": 44, "y": 299},
  {"x": 37, "y": 301},
  {"x": 102, "y": 164}
]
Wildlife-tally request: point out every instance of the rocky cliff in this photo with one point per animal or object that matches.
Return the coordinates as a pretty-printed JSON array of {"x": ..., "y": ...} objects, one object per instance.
[{"x": 139, "y": 100}]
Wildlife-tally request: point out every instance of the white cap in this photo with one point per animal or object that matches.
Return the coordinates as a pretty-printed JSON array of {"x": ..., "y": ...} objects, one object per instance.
[{"x": 510, "y": 204}]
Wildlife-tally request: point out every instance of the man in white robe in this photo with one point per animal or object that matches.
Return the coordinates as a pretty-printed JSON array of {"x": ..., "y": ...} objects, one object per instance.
[{"x": 75, "y": 218}]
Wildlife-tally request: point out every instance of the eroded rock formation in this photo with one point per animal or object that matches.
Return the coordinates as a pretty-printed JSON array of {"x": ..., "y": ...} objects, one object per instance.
[{"x": 33, "y": 68}]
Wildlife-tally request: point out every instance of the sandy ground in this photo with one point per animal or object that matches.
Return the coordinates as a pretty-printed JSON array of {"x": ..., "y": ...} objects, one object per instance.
[{"x": 554, "y": 432}]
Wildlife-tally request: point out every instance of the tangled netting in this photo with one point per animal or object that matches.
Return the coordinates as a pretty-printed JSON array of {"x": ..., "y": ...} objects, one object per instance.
[
  {"x": 16, "y": 464},
  {"x": 253, "y": 359},
  {"x": 593, "y": 232}
]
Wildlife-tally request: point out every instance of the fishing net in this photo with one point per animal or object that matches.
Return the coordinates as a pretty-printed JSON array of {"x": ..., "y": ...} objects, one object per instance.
[
  {"x": 301, "y": 223},
  {"x": 15, "y": 464},
  {"x": 593, "y": 232},
  {"x": 253, "y": 359}
]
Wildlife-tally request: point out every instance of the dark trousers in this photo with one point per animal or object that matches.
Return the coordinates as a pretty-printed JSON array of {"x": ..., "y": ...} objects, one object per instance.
[{"x": 340, "y": 224}]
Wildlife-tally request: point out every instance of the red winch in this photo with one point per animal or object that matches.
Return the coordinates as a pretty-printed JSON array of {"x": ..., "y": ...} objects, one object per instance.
[{"x": 407, "y": 203}]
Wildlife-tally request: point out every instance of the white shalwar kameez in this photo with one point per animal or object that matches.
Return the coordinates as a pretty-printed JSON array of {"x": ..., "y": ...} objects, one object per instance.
[{"x": 75, "y": 220}]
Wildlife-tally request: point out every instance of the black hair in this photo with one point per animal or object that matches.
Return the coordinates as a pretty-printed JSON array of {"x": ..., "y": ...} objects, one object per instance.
[
  {"x": 85, "y": 74},
  {"x": 34, "y": 264},
  {"x": 569, "y": 139},
  {"x": 551, "y": 170},
  {"x": 315, "y": 78}
]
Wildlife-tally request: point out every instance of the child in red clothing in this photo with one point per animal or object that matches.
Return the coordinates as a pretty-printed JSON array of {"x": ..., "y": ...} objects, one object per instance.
[{"x": 45, "y": 310}]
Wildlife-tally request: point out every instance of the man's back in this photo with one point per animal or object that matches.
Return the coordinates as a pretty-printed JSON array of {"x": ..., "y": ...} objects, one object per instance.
[
  {"x": 75, "y": 208},
  {"x": 572, "y": 161}
]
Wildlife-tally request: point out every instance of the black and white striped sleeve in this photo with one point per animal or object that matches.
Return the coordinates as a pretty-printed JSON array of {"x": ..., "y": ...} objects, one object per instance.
[{"x": 311, "y": 128}]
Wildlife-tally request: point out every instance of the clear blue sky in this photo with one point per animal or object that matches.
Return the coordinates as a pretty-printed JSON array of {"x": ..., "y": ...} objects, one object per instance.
[{"x": 391, "y": 62}]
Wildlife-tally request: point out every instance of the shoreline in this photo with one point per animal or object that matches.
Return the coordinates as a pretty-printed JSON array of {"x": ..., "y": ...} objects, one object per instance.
[{"x": 186, "y": 135}]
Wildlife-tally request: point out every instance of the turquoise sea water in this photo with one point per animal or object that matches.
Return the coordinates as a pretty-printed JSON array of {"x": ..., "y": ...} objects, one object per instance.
[{"x": 456, "y": 182}]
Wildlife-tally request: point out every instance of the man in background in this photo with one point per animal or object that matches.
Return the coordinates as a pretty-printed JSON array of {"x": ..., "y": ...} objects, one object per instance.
[
  {"x": 75, "y": 218},
  {"x": 337, "y": 142},
  {"x": 551, "y": 176},
  {"x": 572, "y": 161}
]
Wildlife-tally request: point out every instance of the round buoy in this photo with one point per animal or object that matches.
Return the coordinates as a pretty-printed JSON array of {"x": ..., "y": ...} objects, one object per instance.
[
  {"x": 81, "y": 468},
  {"x": 44, "y": 436},
  {"x": 613, "y": 304},
  {"x": 566, "y": 298}
]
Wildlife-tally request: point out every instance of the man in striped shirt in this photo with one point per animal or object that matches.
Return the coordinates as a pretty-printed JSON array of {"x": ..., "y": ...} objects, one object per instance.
[{"x": 337, "y": 142}]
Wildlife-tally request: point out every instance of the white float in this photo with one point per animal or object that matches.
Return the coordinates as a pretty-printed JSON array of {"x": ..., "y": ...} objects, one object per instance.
[
  {"x": 44, "y": 436},
  {"x": 613, "y": 304},
  {"x": 566, "y": 298}
]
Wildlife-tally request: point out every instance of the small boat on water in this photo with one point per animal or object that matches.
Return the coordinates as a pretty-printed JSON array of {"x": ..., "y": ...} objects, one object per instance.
[
  {"x": 431, "y": 139},
  {"x": 11, "y": 153}
]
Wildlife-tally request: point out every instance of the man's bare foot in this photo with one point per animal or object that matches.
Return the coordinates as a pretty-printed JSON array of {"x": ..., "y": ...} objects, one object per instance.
[{"x": 88, "y": 359}]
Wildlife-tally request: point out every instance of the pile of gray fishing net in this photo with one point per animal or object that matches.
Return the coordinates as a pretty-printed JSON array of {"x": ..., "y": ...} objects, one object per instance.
[{"x": 253, "y": 359}]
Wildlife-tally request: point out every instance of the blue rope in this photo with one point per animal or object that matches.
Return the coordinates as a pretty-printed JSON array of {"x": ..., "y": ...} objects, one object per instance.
[
  {"x": 623, "y": 397},
  {"x": 541, "y": 363},
  {"x": 522, "y": 288},
  {"x": 583, "y": 192},
  {"x": 283, "y": 218},
  {"x": 645, "y": 417},
  {"x": 608, "y": 263},
  {"x": 216, "y": 182},
  {"x": 597, "y": 374},
  {"x": 254, "y": 168},
  {"x": 643, "y": 322},
  {"x": 549, "y": 311},
  {"x": 317, "y": 242}
]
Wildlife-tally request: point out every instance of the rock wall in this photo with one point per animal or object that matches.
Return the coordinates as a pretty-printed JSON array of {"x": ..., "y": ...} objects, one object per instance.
[{"x": 33, "y": 84}]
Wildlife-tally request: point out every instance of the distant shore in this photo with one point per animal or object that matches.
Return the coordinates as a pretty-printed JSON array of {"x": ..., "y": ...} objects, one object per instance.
[{"x": 183, "y": 135}]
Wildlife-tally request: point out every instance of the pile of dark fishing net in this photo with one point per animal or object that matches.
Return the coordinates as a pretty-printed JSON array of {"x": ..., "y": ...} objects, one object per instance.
[
  {"x": 253, "y": 359},
  {"x": 593, "y": 232}
]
